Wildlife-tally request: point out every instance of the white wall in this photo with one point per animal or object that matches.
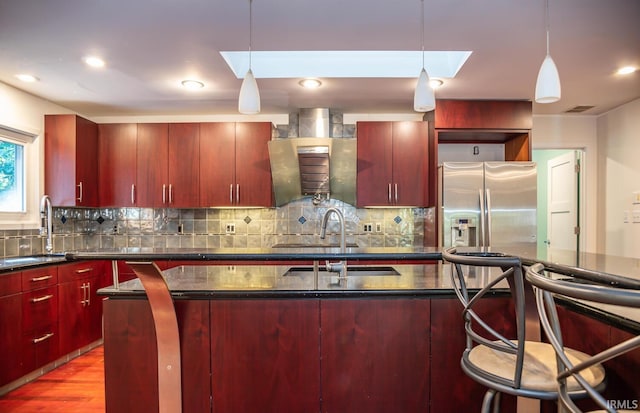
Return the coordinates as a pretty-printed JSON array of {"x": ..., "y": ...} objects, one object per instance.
[
  {"x": 24, "y": 112},
  {"x": 575, "y": 132},
  {"x": 619, "y": 164}
]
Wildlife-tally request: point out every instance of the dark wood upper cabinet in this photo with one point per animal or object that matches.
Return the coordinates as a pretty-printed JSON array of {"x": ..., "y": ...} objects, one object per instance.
[
  {"x": 506, "y": 122},
  {"x": 183, "y": 165},
  {"x": 117, "y": 164},
  {"x": 234, "y": 164},
  {"x": 152, "y": 172},
  {"x": 71, "y": 160},
  {"x": 393, "y": 164}
]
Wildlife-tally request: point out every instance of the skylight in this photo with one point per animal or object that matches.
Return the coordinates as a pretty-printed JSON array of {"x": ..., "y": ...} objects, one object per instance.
[{"x": 345, "y": 63}]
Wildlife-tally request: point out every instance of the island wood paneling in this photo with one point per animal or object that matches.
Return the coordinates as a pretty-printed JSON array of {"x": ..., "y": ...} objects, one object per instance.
[
  {"x": 375, "y": 355},
  {"x": 131, "y": 376},
  {"x": 265, "y": 356}
]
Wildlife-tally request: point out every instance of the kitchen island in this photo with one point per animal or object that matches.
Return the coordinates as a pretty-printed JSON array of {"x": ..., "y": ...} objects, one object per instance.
[{"x": 267, "y": 337}]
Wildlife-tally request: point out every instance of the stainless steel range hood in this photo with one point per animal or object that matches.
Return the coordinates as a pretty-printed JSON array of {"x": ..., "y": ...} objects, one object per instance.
[{"x": 313, "y": 164}]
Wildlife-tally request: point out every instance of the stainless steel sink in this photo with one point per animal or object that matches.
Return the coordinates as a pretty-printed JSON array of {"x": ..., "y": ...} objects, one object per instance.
[
  {"x": 299, "y": 245},
  {"x": 354, "y": 270}
]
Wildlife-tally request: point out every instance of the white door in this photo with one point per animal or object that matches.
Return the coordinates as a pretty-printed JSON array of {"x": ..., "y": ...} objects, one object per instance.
[{"x": 562, "y": 197}]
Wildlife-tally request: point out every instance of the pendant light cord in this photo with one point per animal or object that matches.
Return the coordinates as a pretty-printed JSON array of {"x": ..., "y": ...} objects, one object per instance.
[
  {"x": 422, "y": 15},
  {"x": 546, "y": 22},
  {"x": 250, "y": 29}
]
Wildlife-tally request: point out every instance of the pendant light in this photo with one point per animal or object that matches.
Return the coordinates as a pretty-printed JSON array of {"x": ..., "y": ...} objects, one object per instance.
[
  {"x": 424, "y": 99},
  {"x": 548, "y": 83},
  {"x": 249, "y": 100}
]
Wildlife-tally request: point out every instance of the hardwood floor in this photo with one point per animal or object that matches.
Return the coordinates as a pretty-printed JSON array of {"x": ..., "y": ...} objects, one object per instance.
[{"x": 77, "y": 386}]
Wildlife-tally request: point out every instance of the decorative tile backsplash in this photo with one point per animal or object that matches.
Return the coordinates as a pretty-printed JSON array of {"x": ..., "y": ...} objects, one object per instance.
[{"x": 296, "y": 222}]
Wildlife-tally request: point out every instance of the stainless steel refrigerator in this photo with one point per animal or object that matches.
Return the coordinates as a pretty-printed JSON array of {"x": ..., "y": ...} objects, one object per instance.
[{"x": 487, "y": 204}]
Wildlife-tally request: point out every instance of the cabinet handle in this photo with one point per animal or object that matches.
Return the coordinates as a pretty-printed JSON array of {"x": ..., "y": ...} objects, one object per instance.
[
  {"x": 389, "y": 193},
  {"x": 133, "y": 194},
  {"x": 43, "y": 338},
  {"x": 83, "y": 302},
  {"x": 164, "y": 192},
  {"x": 231, "y": 193},
  {"x": 396, "y": 187},
  {"x": 43, "y": 278},
  {"x": 170, "y": 193},
  {"x": 80, "y": 192},
  {"x": 88, "y": 290},
  {"x": 84, "y": 270},
  {"x": 237, "y": 193},
  {"x": 43, "y": 298}
]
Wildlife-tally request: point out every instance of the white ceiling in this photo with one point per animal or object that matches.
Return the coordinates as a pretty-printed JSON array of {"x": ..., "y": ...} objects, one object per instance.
[{"x": 151, "y": 45}]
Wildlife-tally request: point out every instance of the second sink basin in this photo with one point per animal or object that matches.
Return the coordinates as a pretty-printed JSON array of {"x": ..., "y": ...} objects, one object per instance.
[{"x": 354, "y": 270}]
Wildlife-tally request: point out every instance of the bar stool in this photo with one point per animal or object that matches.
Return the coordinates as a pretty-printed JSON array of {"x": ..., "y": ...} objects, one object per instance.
[
  {"x": 511, "y": 365},
  {"x": 572, "y": 372}
]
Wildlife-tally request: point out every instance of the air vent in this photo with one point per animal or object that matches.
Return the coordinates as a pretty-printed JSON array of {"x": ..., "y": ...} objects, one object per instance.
[
  {"x": 314, "y": 170},
  {"x": 578, "y": 109}
]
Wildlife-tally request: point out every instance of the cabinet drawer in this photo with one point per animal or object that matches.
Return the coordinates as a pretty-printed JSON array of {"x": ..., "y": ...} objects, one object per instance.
[
  {"x": 10, "y": 283},
  {"x": 39, "y": 278},
  {"x": 39, "y": 309},
  {"x": 79, "y": 270},
  {"x": 40, "y": 347}
]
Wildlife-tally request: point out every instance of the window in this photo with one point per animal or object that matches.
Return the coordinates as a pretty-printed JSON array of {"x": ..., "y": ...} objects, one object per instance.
[
  {"x": 20, "y": 173},
  {"x": 12, "y": 183}
]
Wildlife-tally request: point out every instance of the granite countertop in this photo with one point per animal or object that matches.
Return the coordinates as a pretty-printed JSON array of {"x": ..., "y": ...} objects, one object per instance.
[
  {"x": 300, "y": 281},
  {"x": 20, "y": 263}
]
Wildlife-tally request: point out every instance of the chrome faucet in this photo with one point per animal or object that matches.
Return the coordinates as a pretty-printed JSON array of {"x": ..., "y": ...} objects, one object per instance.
[
  {"x": 46, "y": 224},
  {"x": 341, "y": 266}
]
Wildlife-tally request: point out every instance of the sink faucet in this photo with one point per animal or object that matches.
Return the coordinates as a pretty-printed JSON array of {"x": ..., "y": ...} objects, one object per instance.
[
  {"x": 341, "y": 266},
  {"x": 46, "y": 225}
]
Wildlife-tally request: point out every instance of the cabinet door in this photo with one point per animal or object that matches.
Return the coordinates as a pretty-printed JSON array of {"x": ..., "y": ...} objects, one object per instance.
[
  {"x": 73, "y": 317},
  {"x": 253, "y": 170},
  {"x": 10, "y": 326},
  {"x": 270, "y": 347},
  {"x": 71, "y": 158},
  {"x": 152, "y": 154},
  {"x": 375, "y": 355},
  {"x": 410, "y": 164},
  {"x": 217, "y": 164},
  {"x": 374, "y": 177},
  {"x": 87, "y": 162},
  {"x": 183, "y": 164},
  {"x": 117, "y": 166}
]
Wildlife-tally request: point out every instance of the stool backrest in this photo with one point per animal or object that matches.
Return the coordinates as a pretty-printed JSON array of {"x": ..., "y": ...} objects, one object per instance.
[
  {"x": 548, "y": 291},
  {"x": 479, "y": 330}
]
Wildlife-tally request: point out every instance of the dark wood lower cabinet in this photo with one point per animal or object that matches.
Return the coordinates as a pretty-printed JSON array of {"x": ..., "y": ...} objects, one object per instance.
[
  {"x": 130, "y": 354},
  {"x": 328, "y": 355},
  {"x": 265, "y": 355},
  {"x": 451, "y": 389}
]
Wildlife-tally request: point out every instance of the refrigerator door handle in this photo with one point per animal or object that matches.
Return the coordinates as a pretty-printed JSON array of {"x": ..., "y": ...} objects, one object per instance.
[
  {"x": 488, "y": 217},
  {"x": 482, "y": 217}
]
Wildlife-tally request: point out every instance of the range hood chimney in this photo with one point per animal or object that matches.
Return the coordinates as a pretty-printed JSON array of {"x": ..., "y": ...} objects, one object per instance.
[{"x": 312, "y": 163}]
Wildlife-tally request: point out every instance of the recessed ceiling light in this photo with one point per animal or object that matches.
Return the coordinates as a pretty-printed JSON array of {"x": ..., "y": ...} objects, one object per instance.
[
  {"x": 310, "y": 83},
  {"x": 192, "y": 84},
  {"x": 27, "y": 78},
  {"x": 94, "y": 61},
  {"x": 626, "y": 70},
  {"x": 435, "y": 83}
]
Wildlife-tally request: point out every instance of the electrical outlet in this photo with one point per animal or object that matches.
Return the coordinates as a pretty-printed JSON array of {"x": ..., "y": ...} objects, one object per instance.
[
  {"x": 180, "y": 228},
  {"x": 230, "y": 228},
  {"x": 368, "y": 227},
  {"x": 378, "y": 227},
  {"x": 116, "y": 230}
]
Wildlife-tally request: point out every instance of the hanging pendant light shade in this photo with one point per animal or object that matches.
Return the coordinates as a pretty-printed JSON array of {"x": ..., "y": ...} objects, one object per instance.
[
  {"x": 548, "y": 83},
  {"x": 424, "y": 99},
  {"x": 249, "y": 100}
]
